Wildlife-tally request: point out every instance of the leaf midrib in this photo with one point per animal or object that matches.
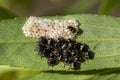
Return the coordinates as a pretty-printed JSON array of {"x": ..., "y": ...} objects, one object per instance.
[
  {"x": 82, "y": 39},
  {"x": 101, "y": 26}
]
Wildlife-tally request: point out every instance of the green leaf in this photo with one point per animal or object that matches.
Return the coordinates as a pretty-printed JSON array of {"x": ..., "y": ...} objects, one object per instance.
[
  {"x": 16, "y": 73},
  {"x": 101, "y": 33},
  {"x": 107, "y": 6},
  {"x": 105, "y": 74}
]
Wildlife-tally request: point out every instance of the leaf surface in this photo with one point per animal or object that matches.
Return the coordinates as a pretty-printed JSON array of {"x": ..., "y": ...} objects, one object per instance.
[{"x": 101, "y": 33}]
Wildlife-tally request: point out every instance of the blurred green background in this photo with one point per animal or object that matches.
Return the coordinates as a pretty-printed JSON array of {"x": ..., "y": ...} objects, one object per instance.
[{"x": 25, "y": 8}]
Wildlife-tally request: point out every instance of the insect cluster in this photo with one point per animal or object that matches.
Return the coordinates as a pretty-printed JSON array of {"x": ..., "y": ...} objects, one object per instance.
[
  {"x": 56, "y": 41},
  {"x": 64, "y": 50}
]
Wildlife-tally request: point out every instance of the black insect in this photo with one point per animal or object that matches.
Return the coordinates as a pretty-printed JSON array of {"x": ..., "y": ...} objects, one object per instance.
[
  {"x": 64, "y": 46},
  {"x": 52, "y": 60},
  {"x": 83, "y": 47},
  {"x": 74, "y": 52},
  {"x": 60, "y": 40},
  {"x": 89, "y": 55},
  {"x": 69, "y": 40},
  {"x": 65, "y": 55},
  {"x": 43, "y": 40},
  {"x": 72, "y": 29},
  {"x": 50, "y": 42},
  {"x": 40, "y": 47},
  {"x": 76, "y": 46},
  {"x": 46, "y": 53},
  {"x": 75, "y": 65},
  {"x": 63, "y": 50},
  {"x": 56, "y": 52}
]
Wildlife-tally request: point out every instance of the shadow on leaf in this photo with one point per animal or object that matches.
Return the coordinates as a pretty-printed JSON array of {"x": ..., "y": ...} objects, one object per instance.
[{"x": 89, "y": 72}]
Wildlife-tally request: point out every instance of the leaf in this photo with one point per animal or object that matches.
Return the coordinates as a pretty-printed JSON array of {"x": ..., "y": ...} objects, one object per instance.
[
  {"x": 105, "y": 74},
  {"x": 16, "y": 73},
  {"x": 101, "y": 33},
  {"x": 107, "y": 6}
]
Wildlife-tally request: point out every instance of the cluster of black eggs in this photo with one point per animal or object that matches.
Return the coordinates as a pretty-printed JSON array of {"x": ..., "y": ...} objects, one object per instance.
[{"x": 63, "y": 50}]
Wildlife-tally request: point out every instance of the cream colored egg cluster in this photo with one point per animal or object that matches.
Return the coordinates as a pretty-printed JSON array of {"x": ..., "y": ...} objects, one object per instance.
[{"x": 36, "y": 27}]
